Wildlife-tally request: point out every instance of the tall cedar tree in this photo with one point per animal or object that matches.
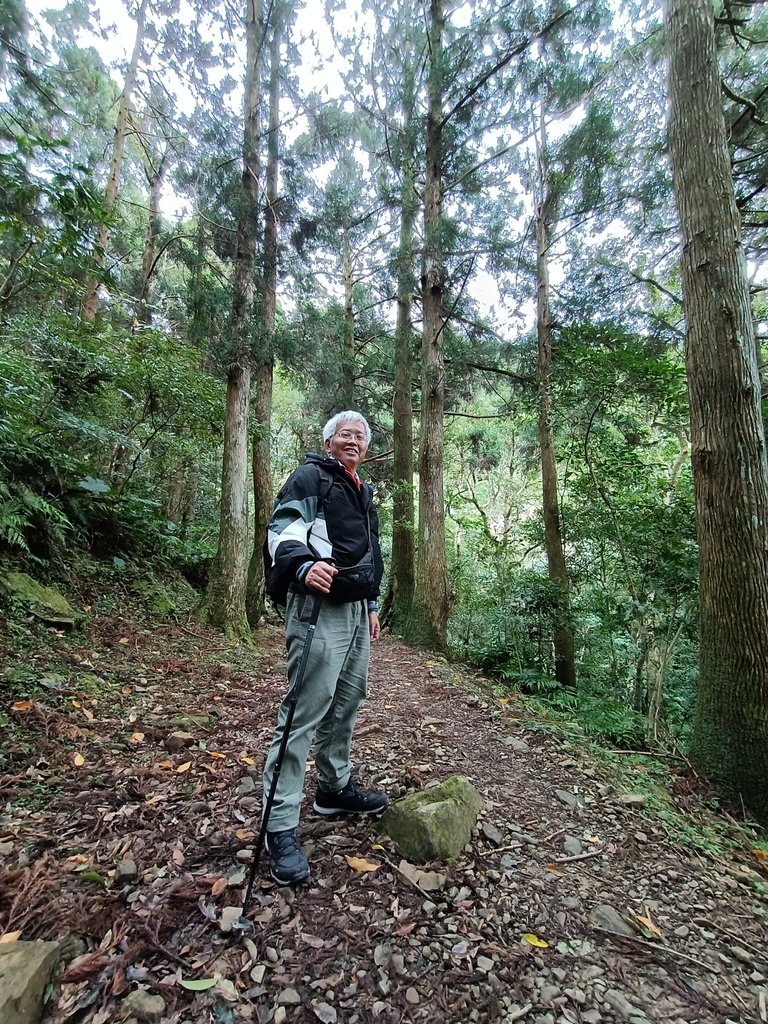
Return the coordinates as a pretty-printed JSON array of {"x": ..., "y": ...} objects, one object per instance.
[
  {"x": 565, "y": 663},
  {"x": 224, "y": 602},
  {"x": 91, "y": 296},
  {"x": 730, "y": 730},
  {"x": 428, "y": 623},
  {"x": 264, "y": 361}
]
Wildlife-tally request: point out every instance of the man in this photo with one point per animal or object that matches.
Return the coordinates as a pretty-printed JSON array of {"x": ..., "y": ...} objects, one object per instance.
[{"x": 324, "y": 522}]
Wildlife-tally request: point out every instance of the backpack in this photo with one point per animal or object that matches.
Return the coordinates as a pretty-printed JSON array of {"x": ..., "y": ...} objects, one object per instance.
[{"x": 275, "y": 583}]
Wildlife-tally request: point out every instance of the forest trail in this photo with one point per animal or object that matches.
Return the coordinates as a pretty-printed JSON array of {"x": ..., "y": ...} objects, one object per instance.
[{"x": 130, "y": 852}]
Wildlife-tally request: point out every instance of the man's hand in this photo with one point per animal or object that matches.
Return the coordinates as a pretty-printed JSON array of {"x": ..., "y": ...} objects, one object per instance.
[
  {"x": 374, "y": 625},
  {"x": 320, "y": 577}
]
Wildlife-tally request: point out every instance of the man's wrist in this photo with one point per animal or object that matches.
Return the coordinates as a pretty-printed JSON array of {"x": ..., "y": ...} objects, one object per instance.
[{"x": 373, "y": 606}]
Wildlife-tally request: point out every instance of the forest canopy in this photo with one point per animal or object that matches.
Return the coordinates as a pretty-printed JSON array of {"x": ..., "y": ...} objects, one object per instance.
[{"x": 220, "y": 224}]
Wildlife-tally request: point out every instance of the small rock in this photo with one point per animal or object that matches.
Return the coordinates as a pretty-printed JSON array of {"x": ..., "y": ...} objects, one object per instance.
[
  {"x": 548, "y": 994},
  {"x": 742, "y": 954},
  {"x": 6, "y": 849},
  {"x": 591, "y": 1016},
  {"x": 519, "y": 745},
  {"x": 619, "y": 1002},
  {"x": 126, "y": 871},
  {"x": 325, "y": 1013},
  {"x": 377, "y": 1009},
  {"x": 485, "y": 964},
  {"x": 271, "y": 954},
  {"x": 572, "y": 846},
  {"x": 280, "y": 1015},
  {"x": 607, "y": 917},
  {"x": 246, "y": 786},
  {"x": 411, "y": 996},
  {"x": 631, "y": 799},
  {"x": 682, "y": 932},
  {"x": 142, "y": 1004},
  {"x": 178, "y": 741},
  {"x": 492, "y": 833},
  {"x": 228, "y": 917},
  {"x": 289, "y": 997},
  {"x": 567, "y": 798}
]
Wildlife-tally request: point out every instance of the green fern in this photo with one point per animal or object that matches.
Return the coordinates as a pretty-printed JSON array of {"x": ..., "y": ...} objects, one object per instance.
[{"x": 22, "y": 510}]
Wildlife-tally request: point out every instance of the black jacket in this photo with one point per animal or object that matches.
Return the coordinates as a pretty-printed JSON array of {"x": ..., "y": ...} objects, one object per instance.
[{"x": 321, "y": 513}]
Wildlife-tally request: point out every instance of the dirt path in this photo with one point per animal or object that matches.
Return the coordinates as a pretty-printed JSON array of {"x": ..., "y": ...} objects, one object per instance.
[{"x": 130, "y": 852}]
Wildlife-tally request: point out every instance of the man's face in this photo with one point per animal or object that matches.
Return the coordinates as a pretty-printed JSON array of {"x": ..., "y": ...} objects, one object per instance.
[{"x": 348, "y": 445}]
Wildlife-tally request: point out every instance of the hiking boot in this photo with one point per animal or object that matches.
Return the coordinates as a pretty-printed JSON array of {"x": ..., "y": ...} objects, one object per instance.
[
  {"x": 350, "y": 800},
  {"x": 287, "y": 863}
]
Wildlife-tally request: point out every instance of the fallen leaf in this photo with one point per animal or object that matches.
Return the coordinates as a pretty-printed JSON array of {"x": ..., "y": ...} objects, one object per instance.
[
  {"x": 534, "y": 940},
  {"x": 247, "y": 760},
  {"x": 426, "y": 880},
  {"x": 136, "y": 737},
  {"x": 646, "y": 922},
  {"x": 405, "y": 929},
  {"x": 215, "y": 753},
  {"x": 156, "y": 798},
  {"x": 198, "y": 984},
  {"x": 762, "y": 855},
  {"x": 177, "y": 857},
  {"x": 246, "y": 834},
  {"x": 10, "y": 937},
  {"x": 219, "y": 886},
  {"x": 78, "y": 760},
  {"x": 123, "y": 640},
  {"x": 184, "y": 767},
  {"x": 361, "y": 864},
  {"x": 22, "y": 705},
  {"x": 88, "y": 714},
  {"x": 555, "y": 869},
  {"x": 166, "y": 764}
]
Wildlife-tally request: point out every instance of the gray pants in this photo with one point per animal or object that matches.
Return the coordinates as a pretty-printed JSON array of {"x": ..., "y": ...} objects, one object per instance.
[{"x": 335, "y": 685}]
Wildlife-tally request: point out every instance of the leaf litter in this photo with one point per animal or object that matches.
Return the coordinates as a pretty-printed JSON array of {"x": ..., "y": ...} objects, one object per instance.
[{"x": 134, "y": 857}]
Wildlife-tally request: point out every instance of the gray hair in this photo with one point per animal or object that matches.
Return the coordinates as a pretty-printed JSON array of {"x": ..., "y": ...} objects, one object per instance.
[{"x": 349, "y": 416}]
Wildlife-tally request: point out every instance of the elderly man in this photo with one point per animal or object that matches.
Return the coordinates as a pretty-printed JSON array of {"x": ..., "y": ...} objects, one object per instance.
[{"x": 323, "y": 524}]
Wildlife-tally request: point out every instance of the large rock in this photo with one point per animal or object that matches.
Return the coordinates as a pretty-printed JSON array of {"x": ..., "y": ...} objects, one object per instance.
[
  {"x": 435, "y": 823},
  {"x": 44, "y": 602},
  {"x": 25, "y": 970}
]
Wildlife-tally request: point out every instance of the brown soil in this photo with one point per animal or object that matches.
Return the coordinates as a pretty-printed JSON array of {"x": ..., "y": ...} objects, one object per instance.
[{"x": 517, "y": 930}]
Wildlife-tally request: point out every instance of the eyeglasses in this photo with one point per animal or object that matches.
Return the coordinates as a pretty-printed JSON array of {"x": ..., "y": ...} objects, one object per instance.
[{"x": 347, "y": 435}]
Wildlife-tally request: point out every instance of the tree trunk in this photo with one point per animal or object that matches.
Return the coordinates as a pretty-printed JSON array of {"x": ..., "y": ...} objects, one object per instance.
[
  {"x": 397, "y": 606},
  {"x": 261, "y": 460},
  {"x": 224, "y": 604},
  {"x": 347, "y": 396},
  {"x": 428, "y": 623},
  {"x": 565, "y": 665},
  {"x": 155, "y": 175},
  {"x": 730, "y": 730},
  {"x": 91, "y": 297}
]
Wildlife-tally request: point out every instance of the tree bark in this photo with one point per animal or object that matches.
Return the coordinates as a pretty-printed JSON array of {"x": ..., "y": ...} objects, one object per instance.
[
  {"x": 730, "y": 730},
  {"x": 347, "y": 396},
  {"x": 261, "y": 462},
  {"x": 397, "y": 607},
  {"x": 428, "y": 623},
  {"x": 565, "y": 664},
  {"x": 91, "y": 298},
  {"x": 155, "y": 175},
  {"x": 224, "y": 603}
]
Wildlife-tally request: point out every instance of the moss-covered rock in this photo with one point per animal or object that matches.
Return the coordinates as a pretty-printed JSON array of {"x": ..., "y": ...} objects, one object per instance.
[
  {"x": 44, "y": 602},
  {"x": 435, "y": 823},
  {"x": 171, "y": 595}
]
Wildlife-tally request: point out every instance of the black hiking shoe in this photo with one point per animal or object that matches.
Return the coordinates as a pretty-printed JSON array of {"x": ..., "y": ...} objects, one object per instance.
[
  {"x": 350, "y": 800},
  {"x": 287, "y": 863}
]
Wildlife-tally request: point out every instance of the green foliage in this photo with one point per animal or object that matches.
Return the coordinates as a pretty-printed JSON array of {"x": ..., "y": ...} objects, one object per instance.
[{"x": 98, "y": 423}]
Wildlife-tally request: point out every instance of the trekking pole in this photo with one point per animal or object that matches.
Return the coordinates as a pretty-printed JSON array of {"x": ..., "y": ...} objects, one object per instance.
[{"x": 242, "y": 923}]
